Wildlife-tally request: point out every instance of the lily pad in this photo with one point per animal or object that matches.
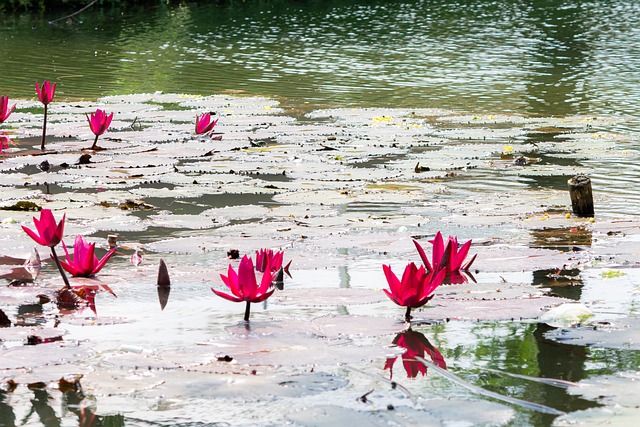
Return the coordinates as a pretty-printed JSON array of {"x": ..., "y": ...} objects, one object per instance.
[{"x": 487, "y": 310}]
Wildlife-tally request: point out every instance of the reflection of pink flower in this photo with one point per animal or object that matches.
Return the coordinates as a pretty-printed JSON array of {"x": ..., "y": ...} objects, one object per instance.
[
  {"x": 244, "y": 286},
  {"x": 416, "y": 344},
  {"x": 84, "y": 263},
  {"x": 5, "y": 111},
  {"x": 204, "y": 124},
  {"x": 49, "y": 233}
]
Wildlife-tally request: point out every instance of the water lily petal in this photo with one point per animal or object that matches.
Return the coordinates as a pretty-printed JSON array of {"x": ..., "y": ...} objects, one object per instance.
[{"x": 227, "y": 296}]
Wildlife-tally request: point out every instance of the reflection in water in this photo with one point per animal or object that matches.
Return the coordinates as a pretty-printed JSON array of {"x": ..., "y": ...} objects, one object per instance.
[
  {"x": 566, "y": 362},
  {"x": 563, "y": 283},
  {"x": 7, "y": 416},
  {"x": 562, "y": 239},
  {"x": 459, "y": 277},
  {"x": 40, "y": 405},
  {"x": 415, "y": 344},
  {"x": 73, "y": 402}
]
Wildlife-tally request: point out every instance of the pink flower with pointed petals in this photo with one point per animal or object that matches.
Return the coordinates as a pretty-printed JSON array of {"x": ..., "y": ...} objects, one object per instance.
[
  {"x": 45, "y": 94},
  {"x": 415, "y": 344},
  {"x": 204, "y": 124},
  {"x": 5, "y": 111},
  {"x": 49, "y": 233},
  {"x": 450, "y": 256},
  {"x": 266, "y": 257},
  {"x": 244, "y": 286},
  {"x": 99, "y": 123},
  {"x": 416, "y": 287},
  {"x": 458, "y": 255},
  {"x": 84, "y": 263}
]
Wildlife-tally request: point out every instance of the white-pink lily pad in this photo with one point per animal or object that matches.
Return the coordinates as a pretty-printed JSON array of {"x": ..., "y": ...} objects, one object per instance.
[
  {"x": 328, "y": 297},
  {"x": 335, "y": 326},
  {"x": 29, "y": 356},
  {"x": 516, "y": 309}
]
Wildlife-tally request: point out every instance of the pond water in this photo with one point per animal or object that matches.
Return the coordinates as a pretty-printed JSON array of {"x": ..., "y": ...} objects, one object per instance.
[
  {"x": 325, "y": 168},
  {"x": 537, "y": 57}
]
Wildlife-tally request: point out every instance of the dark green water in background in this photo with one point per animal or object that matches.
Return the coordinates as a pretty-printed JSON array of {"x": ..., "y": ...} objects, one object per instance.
[{"x": 549, "y": 57}]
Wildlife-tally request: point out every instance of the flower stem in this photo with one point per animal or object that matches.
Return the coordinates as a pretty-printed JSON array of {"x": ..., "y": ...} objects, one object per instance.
[
  {"x": 95, "y": 141},
  {"x": 44, "y": 129},
  {"x": 407, "y": 315},
  {"x": 247, "y": 311},
  {"x": 64, "y": 276}
]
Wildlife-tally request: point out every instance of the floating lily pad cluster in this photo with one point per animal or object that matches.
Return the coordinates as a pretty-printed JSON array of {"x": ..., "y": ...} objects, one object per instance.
[{"x": 340, "y": 192}]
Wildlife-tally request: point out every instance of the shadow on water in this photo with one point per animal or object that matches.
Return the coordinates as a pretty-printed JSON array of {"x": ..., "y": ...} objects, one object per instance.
[
  {"x": 563, "y": 283},
  {"x": 562, "y": 239}
]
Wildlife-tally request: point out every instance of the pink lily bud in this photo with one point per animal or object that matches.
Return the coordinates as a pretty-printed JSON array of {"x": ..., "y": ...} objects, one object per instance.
[
  {"x": 204, "y": 124},
  {"x": 99, "y": 122},
  {"x": 45, "y": 94}
]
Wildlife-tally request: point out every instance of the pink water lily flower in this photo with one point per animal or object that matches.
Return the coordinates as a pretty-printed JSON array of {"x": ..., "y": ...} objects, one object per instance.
[
  {"x": 244, "y": 286},
  {"x": 45, "y": 95},
  {"x": 48, "y": 232},
  {"x": 273, "y": 259},
  {"x": 5, "y": 111},
  {"x": 266, "y": 257},
  {"x": 204, "y": 124},
  {"x": 84, "y": 263},
  {"x": 450, "y": 256},
  {"x": 99, "y": 123},
  {"x": 416, "y": 287}
]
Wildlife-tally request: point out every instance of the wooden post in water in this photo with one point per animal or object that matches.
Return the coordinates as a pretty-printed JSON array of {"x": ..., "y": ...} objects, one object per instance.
[{"x": 581, "y": 195}]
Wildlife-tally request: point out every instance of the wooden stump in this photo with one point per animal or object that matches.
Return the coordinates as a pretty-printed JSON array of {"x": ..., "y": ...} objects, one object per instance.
[{"x": 581, "y": 195}]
